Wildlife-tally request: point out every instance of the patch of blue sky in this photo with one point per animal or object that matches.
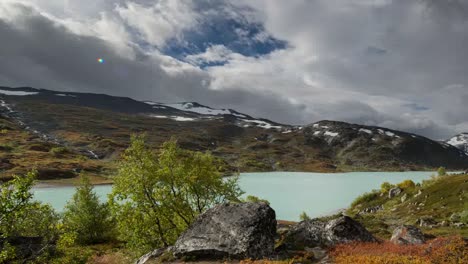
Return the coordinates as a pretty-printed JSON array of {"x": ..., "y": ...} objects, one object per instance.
[{"x": 248, "y": 39}]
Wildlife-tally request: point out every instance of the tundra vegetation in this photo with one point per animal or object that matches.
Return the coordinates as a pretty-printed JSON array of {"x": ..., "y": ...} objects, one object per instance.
[{"x": 158, "y": 194}]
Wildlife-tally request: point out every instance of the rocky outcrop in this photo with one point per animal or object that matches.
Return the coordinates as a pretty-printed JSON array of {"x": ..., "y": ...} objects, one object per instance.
[
  {"x": 372, "y": 210},
  {"x": 426, "y": 221},
  {"x": 244, "y": 230},
  {"x": 344, "y": 230},
  {"x": 307, "y": 233},
  {"x": 313, "y": 233},
  {"x": 407, "y": 235},
  {"x": 394, "y": 192}
]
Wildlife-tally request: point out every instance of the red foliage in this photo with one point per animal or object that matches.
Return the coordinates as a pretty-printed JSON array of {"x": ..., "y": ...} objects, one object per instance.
[{"x": 440, "y": 250}]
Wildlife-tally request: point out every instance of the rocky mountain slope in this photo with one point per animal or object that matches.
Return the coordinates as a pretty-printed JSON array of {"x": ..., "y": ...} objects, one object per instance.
[
  {"x": 97, "y": 127},
  {"x": 460, "y": 141}
]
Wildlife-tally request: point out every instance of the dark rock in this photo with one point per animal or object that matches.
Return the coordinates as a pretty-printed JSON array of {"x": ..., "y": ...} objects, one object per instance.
[
  {"x": 305, "y": 234},
  {"x": 407, "y": 235},
  {"x": 244, "y": 230},
  {"x": 371, "y": 210},
  {"x": 344, "y": 230},
  {"x": 314, "y": 233},
  {"x": 394, "y": 192},
  {"x": 426, "y": 221}
]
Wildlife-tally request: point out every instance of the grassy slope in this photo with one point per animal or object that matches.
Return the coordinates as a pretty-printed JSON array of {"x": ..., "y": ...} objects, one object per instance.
[
  {"x": 108, "y": 133},
  {"x": 439, "y": 199},
  {"x": 21, "y": 151}
]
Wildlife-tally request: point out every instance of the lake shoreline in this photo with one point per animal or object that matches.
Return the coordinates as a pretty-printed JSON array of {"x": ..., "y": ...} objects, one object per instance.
[
  {"x": 101, "y": 180},
  {"x": 289, "y": 193}
]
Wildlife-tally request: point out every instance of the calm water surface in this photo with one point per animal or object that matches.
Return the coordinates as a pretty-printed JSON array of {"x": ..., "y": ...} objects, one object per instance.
[{"x": 289, "y": 193}]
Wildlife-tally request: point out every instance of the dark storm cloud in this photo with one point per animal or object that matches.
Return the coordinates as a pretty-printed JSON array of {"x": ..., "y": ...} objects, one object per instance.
[{"x": 37, "y": 52}]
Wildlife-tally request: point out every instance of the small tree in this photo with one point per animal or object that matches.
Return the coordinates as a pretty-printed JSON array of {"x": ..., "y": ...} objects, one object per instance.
[
  {"x": 441, "y": 171},
  {"x": 86, "y": 217},
  {"x": 20, "y": 216},
  {"x": 407, "y": 184},
  {"x": 304, "y": 216},
  {"x": 385, "y": 187},
  {"x": 155, "y": 197}
]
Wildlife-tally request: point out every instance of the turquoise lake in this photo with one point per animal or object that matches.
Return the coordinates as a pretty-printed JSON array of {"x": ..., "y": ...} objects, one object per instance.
[{"x": 289, "y": 193}]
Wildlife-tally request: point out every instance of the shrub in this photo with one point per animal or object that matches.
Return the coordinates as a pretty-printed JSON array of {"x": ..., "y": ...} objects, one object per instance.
[
  {"x": 57, "y": 151},
  {"x": 255, "y": 199},
  {"x": 364, "y": 198},
  {"x": 21, "y": 216},
  {"x": 155, "y": 197},
  {"x": 441, "y": 171},
  {"x": 440, "y": 250},
  {"x": 407, "y": 184},
  {"x": 464, "y": 216},
  {"x": 304, "y": 216},
  {"x": 86, "y": 217},
  {"x": 385, "y": 187},
  {"x": 6, "y": 147}
]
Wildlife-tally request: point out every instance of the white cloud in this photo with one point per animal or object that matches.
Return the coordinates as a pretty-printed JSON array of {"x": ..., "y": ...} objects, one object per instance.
[{"x": 163, "y": 20}]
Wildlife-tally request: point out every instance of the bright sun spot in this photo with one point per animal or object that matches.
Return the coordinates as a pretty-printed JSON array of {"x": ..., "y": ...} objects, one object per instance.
[{"x": 100, "y": 60}]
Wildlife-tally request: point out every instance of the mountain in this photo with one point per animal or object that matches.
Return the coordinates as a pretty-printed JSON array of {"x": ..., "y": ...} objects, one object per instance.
[
  {"x": 460, "y": 141},
  {"x": 91, "y": 130}
]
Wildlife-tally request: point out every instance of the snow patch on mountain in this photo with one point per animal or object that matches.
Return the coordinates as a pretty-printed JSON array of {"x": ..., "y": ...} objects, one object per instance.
[
  {"x": 261, "y": 124},
  {"x": 331, "y": 133},
  {"x": 366, "y": 131},
  {"x": 17, "y": 93},
  {"x": 65, "y": 95},
  {"x": 196, "y": 108},
  {"x": 459, "y": 141},
  {"x": 176, "y": 118}
]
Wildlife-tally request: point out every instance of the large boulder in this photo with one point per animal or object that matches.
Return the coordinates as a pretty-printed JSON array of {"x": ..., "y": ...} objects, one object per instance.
[
  {"x": 307, "y": 233},
  {"x": 313, "y": 233},
  {"x": 242, "y": 230},
  {"x": 344, "y": 230},
  {"x": 407, "y": 235}
]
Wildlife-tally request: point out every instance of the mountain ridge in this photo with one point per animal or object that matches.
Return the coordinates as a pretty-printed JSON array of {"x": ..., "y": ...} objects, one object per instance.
[{"x": 99, "y": 126}]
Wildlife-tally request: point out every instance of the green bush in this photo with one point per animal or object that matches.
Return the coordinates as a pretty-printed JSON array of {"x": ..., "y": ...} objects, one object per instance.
[
  {"x": 58, "y": 150},
  {"x": 6, "y": 147},
  {"x": 156, "y": 196},
  {"x": 464, "y": 216},
  {"x": 441, "y": 171},
  {"x": 365, "y": 198},
  {"x": 304, "y": 216},
  {"x": 385, "y": 187},
  {"x": 86, "y": 217},
  {"x": 21, "y": 216},
  {"x": 407, "y": 184},
  {"x": 255, "y": 199}
]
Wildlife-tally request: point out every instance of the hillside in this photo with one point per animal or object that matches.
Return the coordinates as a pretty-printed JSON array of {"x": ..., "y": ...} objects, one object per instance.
[
  {"x": 95, "y": 128},
  {"x": 438, "y": 206}
]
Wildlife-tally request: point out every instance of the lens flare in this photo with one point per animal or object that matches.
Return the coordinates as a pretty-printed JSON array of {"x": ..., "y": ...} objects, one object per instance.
[{"x": 100, "y": 60}]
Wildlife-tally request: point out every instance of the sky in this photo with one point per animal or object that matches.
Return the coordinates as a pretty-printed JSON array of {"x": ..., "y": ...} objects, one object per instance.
[{"x": 401, "y": 64}]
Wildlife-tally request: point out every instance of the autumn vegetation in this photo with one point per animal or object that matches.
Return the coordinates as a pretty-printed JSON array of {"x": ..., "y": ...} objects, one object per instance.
[
  {"x": 157, "y": 194},
  {"x": 449, "y": 250}
]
